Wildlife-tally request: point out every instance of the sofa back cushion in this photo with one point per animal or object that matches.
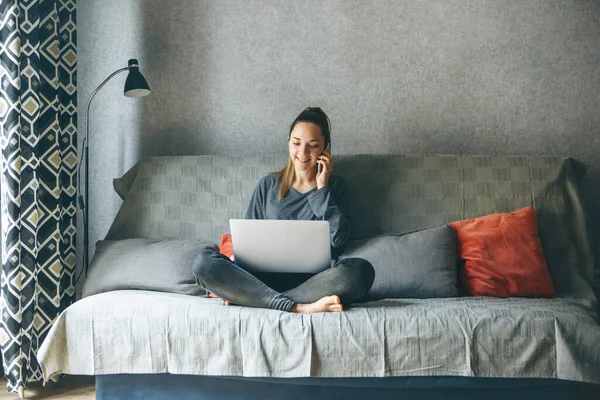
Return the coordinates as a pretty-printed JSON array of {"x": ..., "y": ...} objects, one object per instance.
[
  {"x": 195, "y": 196},
  {"x": 191, "y": 197}
]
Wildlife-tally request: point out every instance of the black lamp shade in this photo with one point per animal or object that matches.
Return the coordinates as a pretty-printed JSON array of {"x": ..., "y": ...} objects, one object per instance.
[{"x": 135, "y": 84}]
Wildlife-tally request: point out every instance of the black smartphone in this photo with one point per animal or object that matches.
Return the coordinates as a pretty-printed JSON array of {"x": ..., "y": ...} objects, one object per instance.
[{"x": 319, "y": 166}]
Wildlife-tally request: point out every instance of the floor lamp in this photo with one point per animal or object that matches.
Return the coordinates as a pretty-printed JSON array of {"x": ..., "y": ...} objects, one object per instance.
[{"x": 135, "y": 86}]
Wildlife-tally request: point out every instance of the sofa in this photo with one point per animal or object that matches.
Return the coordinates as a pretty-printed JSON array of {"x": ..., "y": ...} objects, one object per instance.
[{"x": 146, "y": 330}]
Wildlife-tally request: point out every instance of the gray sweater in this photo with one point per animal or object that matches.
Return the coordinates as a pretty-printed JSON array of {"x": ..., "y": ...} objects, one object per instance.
[{"x": 328, "y": 203}]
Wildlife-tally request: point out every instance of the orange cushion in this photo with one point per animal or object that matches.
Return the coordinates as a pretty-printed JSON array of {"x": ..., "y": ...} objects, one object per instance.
[
  {"x": 502, "y": 256},
  {"x": 226, "y": 246}
]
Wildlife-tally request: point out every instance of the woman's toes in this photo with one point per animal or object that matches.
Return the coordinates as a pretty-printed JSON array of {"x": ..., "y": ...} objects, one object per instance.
[
  {"x": 331, "y": 303},
  {"x": 324, "y": 304}
]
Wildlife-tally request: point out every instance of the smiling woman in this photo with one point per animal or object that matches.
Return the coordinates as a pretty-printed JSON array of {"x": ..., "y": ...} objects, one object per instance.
[
  {"x": 300, "y": 191},
  {"x": 309, "y": 137}
]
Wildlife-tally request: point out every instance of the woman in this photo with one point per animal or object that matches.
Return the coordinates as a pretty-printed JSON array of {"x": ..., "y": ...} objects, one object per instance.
[{"x": 301, "y": 190}]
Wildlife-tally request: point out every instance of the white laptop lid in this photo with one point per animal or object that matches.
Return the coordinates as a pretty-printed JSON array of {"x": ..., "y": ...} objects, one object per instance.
[{"x": 261, "y": 245}]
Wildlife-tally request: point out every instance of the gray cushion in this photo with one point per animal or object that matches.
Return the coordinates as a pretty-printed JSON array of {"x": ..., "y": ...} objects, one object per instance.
[
  {"x": 144, "y": 264},
  {"x": 421, "y": 264}
]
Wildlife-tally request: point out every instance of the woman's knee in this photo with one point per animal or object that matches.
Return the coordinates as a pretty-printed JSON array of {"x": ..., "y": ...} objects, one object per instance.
[
  {"x": 361, "y": 269},
  {"x": 204, "y": 263}
]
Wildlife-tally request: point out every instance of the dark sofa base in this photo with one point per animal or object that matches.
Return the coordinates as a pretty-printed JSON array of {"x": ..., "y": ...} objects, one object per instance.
[{"x": 184, "y": 387}]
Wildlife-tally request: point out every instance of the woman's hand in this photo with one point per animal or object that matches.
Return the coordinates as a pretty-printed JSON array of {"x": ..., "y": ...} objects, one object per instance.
[{"x": 326, "y": 162}]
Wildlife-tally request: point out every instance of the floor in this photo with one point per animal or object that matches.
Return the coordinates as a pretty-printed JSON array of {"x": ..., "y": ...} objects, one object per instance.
[{"x": 71, "y": 387}]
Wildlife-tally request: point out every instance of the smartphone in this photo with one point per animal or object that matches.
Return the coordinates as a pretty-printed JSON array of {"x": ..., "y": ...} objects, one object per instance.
[{"x": 319, "y": 166}]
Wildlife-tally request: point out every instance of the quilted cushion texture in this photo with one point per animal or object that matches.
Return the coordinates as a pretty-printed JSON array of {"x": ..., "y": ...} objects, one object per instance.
[{"x": 195, "y": 196}]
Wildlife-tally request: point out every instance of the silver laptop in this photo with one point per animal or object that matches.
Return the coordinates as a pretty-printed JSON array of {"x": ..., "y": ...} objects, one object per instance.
[{"x": 261, "y": 245}]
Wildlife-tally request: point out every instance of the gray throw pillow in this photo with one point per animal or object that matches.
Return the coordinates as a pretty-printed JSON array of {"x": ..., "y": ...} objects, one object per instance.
[
  {"x": 420, "y": 264},
  {"x": 144, "y": 264}
]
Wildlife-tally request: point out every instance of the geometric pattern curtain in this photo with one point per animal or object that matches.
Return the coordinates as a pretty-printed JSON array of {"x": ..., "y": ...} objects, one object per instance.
[{"x": 38, "y": 181}]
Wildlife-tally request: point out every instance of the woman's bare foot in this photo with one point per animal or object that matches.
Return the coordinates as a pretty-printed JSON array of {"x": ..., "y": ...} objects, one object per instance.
[{"x": 324, "y": 304}]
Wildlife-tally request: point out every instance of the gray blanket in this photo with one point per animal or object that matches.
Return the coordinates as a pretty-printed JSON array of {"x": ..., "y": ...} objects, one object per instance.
[{"x": 149, "y": 332}]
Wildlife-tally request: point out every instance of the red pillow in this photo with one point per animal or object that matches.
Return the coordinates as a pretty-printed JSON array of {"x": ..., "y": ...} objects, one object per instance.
[
  {"x": 502, "y": 256},
  {"x": 226, "y": 246}
]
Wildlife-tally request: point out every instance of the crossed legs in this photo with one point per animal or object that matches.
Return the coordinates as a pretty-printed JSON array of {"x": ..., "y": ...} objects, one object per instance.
[{"x": 345, "y": 282}]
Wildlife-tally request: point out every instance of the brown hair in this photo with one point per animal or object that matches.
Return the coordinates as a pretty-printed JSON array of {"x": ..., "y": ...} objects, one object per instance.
[{"x": 314, "y": 115}]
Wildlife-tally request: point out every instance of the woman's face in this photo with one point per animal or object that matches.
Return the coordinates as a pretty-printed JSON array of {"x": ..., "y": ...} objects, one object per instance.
[{"x": 306, "y": 144}]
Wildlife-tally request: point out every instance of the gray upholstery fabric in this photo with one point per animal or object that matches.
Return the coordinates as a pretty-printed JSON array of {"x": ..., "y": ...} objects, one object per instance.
[
  {"x": 148, "y": 332},
  {"x": 195, "y": 196},
  {"x": 144, "y": 264},
  {"x": 123, "y": 184},
  {"x": 420, "y": 264}
]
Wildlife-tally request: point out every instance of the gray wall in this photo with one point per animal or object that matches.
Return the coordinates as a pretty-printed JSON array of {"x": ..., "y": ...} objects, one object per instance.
[{"x": 445, "y": 76}]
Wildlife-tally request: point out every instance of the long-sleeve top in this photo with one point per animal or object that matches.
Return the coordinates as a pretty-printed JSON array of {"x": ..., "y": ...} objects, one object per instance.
[{"x": 330, "y": 203}]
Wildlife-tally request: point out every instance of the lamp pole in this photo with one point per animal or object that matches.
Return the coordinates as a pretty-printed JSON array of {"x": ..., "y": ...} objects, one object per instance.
[
  {"x": 84, "y": 203},
  {"x": 135, "y": 86}
]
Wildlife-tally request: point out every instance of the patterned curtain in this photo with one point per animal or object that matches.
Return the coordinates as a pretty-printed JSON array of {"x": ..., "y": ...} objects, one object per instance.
[{"x": 38, "y": 181}]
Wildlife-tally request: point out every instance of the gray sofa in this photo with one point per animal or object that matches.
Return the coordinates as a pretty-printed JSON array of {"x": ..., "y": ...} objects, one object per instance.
[{"x": 141, "y": 339}]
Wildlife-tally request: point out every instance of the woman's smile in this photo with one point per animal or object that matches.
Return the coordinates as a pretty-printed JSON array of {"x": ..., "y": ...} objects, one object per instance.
[{"x": 304, "y": 160}]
